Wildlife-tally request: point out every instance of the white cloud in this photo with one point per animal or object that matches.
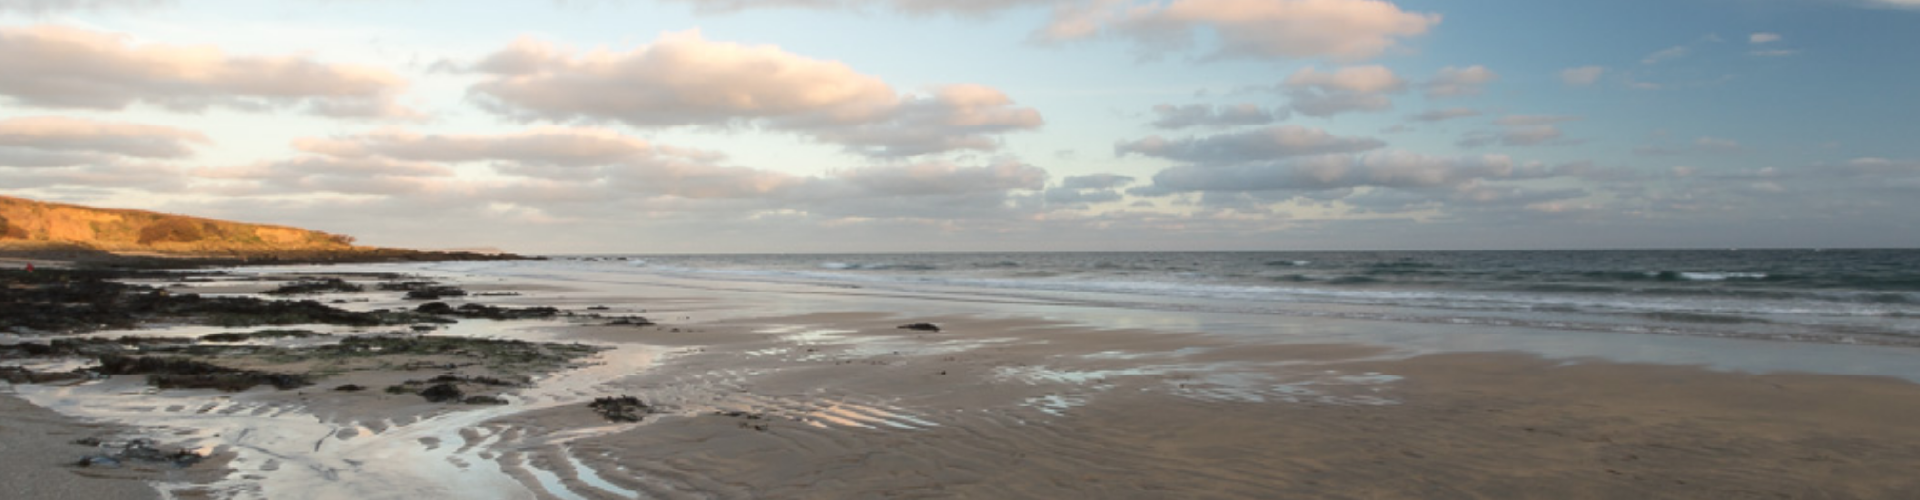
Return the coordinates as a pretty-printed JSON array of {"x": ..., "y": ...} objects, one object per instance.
[
  {"x": 1582, "y": 76},
  {"x": 1344, "y": 30},
  {"x": 1760, "y": 38},
  {"x": 1454, "y": 82},
  {"x": 684, "y": 79},
  {"x": 1268, "y": 143},
  {"x": 1774, "y": 53},
  {"x": 1346, "y": 90},
  {"x": 1667, "y": 54},
  {"x": 62, "y": 67}
]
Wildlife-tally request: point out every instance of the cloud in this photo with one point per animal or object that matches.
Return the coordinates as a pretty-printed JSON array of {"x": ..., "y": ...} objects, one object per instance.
[
  {"x": 1699, "y": 145},
  {"x": 1773, "y": 53},
  {"x": 1455, "y": 82},
  {"x": 1760, "y": 38},
  {"x": 1347, "y": 90},
  {"x": 954, "y": 117},
  {"x": 961, "y": 7},
  {"x": 41, "y": 7},
  {"x": 1095, "y": 181},
  {"x": 1582, "y": 76},
  {"x": 1667, "y": 54},
  {"x": 1390, "y": 169},
  {"x": 544, "y": 146},
  {"x": 55, "y": 134},
  {"x": 1440, "y": 115},
  {"x": 940, "y": 178},
  {"x": 1203, "y": 115},
  {"x": 1267, "y": 143},
  {"x": 61, "y": 67},
  {"x": 1521, "y": 130},
  {"x": 1341, "y": 30},
  {"x": 682, "y": 79},
  {"x": 1893, "y": 4}
]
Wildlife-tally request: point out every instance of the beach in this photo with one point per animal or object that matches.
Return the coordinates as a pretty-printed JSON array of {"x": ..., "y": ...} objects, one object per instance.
[{"x": 755, "y": 388}]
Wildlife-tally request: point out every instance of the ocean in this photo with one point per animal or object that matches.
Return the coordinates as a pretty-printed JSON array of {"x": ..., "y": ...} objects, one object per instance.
[{"x": 1826, "y": 296}]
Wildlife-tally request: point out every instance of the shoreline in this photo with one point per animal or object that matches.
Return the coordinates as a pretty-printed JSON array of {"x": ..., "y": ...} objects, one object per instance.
[{"x": 742, "y": 400}]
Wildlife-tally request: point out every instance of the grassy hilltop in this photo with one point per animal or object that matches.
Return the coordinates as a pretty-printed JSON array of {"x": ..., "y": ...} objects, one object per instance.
[{"x": 74, "y": 232}]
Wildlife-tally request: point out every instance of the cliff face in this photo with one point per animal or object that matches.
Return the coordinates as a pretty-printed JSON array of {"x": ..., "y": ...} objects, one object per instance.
[{"x": 29, "y": 223}]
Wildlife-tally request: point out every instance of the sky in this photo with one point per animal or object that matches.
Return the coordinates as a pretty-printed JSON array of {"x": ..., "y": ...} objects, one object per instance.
[{"x": 776, "y": 126}]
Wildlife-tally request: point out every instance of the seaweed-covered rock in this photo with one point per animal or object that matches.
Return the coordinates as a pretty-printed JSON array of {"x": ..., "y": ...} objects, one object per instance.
[
  {"x": 925, "y": 327},
  {"x": 484, "y": 400},
  {"x": 441, "y": 393},
  {"x": 620, "y": 409}
]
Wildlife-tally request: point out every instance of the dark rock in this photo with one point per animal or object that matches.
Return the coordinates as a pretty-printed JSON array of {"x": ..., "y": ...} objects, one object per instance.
[
  {"x": 442, "y": 393},
  {"x": 484, "y": 400},
  {"x": 440, "y": 308},
  {"x": 630, "y": 321},
  {"x": 350, "y": 388},
  {"x": 263, "y": 334},
  {"x": 925, "y": 327},
  {"x": 317, "y": 286},
  {"x": 435, "y": 293}
]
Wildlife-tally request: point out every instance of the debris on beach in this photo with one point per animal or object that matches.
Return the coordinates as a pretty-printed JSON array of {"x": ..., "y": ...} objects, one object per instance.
[
  {"x": 137, "y": 451},
  {"x": 925, "y": 327}
]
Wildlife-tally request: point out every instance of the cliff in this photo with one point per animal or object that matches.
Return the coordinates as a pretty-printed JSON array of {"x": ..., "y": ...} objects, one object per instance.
[{"x": 29, "y": 223}]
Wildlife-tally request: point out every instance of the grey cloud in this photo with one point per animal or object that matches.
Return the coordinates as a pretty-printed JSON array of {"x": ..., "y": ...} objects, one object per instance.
[
  {"x": 1440, "y": 115},
  {"x": 1078, "y": 197},
  {"x": 1387, "y": 169},
  {"x": 1204, "y": 115},
  {"x": 55, "y": 134},
  {"x": 1095, "y": 181},
  {"x": 1254, "y": 145},
  {"x": 62, "y": 67}
]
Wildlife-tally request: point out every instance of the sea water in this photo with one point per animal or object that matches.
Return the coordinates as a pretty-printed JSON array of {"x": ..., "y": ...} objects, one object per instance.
[{"x": 1825, "y": 296}]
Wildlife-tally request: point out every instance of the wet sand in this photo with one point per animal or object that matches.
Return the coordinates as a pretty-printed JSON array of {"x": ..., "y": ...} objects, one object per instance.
[{"x": 845, "y": 405}]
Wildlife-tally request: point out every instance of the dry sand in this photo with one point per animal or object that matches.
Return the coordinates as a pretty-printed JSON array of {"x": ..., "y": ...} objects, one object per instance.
[{"x": 844, "y": 405}]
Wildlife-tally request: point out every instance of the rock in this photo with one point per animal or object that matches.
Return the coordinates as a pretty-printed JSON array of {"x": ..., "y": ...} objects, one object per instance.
[
  {"x": 435, "y": 293},
  {"x": 925, "y": 327},
  {"x": 485, "y": 400},
  {"x": 350, "y": 388},
  {"x": 440, "y": 308},
  {"x": 442, "y": 393}
]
